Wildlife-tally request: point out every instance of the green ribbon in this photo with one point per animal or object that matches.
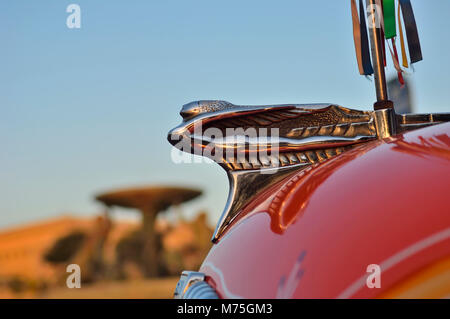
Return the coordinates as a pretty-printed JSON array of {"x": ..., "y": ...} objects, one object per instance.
[{"x": 390, "y": 29}]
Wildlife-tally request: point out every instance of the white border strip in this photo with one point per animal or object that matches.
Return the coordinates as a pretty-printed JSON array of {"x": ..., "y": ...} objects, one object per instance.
[{"x": 395, "y": 259}]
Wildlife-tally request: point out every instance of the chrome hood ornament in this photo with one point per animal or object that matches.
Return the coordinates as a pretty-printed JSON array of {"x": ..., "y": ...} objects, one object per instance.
[
  {"x": 236, "y": 137},
  {"x": 220, "y": 124},
  {"x": 304, "y": 135}
]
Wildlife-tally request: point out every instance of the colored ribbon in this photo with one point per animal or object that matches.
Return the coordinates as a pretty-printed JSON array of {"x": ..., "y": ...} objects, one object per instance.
[
  {"x": 415, "y": 52},
  {"x": 365, "y": 51},
  {"x": 394, "y": 57},
  {"x": 397, "y": 64},
  {"x": 389, "y": 19},
  {"x": 402, "y": 40},
  {"x": 357, "y": 36}
]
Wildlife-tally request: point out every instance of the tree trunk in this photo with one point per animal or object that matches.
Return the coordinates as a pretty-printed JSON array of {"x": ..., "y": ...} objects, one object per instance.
[{"x": 150, "y": 251}]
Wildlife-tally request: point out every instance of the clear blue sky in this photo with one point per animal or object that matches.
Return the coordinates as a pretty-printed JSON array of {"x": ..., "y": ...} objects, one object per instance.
[{"x": 87, "y": 110}]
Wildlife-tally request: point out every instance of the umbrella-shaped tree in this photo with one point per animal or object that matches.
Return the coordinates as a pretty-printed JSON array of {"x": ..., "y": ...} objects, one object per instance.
[{"x": 150, "y": 201}]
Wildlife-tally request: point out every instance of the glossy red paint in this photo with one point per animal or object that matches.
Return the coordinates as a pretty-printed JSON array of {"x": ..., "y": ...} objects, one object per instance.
[{"x": 314, "y": 234}]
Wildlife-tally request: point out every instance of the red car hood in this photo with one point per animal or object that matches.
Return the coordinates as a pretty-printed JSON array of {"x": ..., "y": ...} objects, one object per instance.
[{"x": 314, "y": 234}]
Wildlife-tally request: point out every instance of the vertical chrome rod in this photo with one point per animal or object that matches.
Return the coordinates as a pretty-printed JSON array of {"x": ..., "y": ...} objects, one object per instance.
[{"x": 377, "y": 55}]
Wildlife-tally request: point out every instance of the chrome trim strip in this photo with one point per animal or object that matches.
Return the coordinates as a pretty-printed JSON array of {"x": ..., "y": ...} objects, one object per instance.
[{"x": 192, "y": 285}]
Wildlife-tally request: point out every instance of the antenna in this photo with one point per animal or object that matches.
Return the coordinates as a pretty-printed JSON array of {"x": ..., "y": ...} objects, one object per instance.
[{"x": 374, "y": 14}]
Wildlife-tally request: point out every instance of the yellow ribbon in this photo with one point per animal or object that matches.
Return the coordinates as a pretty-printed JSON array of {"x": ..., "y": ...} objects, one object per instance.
[{"x": 402, "y": 40}]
